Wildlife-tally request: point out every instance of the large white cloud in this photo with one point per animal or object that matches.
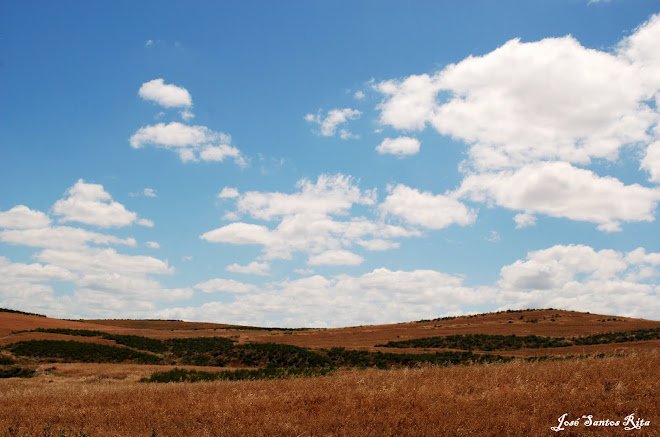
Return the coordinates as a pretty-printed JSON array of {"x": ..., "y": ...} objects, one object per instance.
[
  {"x": 426, "y": 209},
  {"x": 308, "y": 221},
  {"x": 166, "y": 95},
  {"x": 523, "y": 102},
  {"x": 379, "y": 296},
  {"x": 558, "y": 189},
  {"x": 92, "y": 205},
  {"x": 22, "y": 217},
  {"x": 580, "y": 278}
]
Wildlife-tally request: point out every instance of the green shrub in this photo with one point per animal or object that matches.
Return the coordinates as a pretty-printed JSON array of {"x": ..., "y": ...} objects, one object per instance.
[
  {"x": 16, "y": 372},
  {"x": 183, "y": 375},
  {"x": 77, "y": 351}
]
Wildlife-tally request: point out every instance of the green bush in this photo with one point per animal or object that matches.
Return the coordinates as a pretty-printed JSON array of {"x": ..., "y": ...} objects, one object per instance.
[
  {"x": 183, "y": 375},
  {"x": 77, "y": 351},
  {"x": 16, "y": 372}
]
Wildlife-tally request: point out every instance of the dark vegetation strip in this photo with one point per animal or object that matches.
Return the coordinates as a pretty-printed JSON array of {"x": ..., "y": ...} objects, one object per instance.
[
  {"x": 183, "y": 375},
  {"x": 83, "y": 352},
  {"x": 7, "y": 310},
  {"x": 488, "y": 342},
  {"x": 218, "y": 351},
  {"x": 16, "y": 372},
  {"x": 47, "y": 431}
]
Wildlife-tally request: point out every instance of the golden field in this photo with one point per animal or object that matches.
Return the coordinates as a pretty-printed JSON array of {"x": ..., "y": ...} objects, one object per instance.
[{"x": 517, "y": 398}]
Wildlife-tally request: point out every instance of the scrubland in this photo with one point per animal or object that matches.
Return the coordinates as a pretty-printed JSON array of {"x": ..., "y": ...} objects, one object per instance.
[{"x": 514, "y": 398}]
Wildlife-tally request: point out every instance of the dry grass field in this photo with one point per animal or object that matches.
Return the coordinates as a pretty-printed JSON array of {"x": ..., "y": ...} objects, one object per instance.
[
  {"x": 506, "y": 398},
  {"x": 517, "y": 399}
]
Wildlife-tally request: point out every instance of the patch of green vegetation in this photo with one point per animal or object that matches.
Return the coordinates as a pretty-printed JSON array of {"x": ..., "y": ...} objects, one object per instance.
[
  {"x": 134, "y": 341},
  {"x": 487, "y": 342},
  {"x": 80, "y": 352},
  {"x": 16, "y": 372},
  {"x": 183, "y": 375},
  {"x": 342, "y": 357},
  {"x": 7, "y": 310},
  {"x": 278, "y": 355}
]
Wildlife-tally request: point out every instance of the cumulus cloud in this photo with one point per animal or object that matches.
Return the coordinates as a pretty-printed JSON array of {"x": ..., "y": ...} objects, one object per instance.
[
  {"x": 335, "y": 117},
  {"x": 308, "y": 220},
  {"x": 92, "y": 205},
  {"x": 153, "y": 245},
  {"x": 380, "y": 296},
  {"x": 166, "y": 95},
  {"x": 253, "y": 268},
  {"x": 399, "y": 146},
  {"x": 581, "y": 278},
  {"x": 426, "y": 209},
  {"x": 524, "y": 102},
  {"x": 191, "y": 143},
  {"x": 528, "y": 110},
  {"x": 558, "y": 189},
  {"x": 22, "y": 217}
]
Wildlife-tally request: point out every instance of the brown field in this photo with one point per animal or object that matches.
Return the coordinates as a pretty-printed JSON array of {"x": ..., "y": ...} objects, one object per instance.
[{"x": 516, "y": 398}]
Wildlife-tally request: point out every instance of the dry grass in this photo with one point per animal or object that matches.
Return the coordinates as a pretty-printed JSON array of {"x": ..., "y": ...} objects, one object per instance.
[{"x": 491, "y": 400}]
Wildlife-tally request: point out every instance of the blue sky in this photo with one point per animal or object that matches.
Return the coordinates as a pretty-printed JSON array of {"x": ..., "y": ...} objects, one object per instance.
[{"x": 329, "y": 163}]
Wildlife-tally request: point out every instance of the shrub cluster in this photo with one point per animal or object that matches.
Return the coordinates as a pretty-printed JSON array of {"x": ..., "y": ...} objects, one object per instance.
[
  {"x": 16, "y": 372},
  {"x": 183, "y": 375},
  {"x": 77, "y": 351},
  {"x": 486, "y": 342}
]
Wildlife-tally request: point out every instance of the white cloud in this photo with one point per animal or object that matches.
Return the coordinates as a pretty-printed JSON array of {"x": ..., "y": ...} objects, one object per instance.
[
  {"x": 335, "y": 258},
  {"x": 580, "y": 278},
  {"x": 149, "y": 43},
  {"x": 651, "y": 161},
  {"x": 61, "y": 237},
  {"x": 254, "y": 268},
  {"x": 166, "y": 95},
  {"x": 359, "y": 95},
  {"x": 380, "y": 296},
  {"x": 219, "y": 153},
  {"x": 524, "y": 102},
  {"x": 92, "y": 205},
  {"x": 558, "y": 189},
  {"x": 92, "y": 261},
  {"x": 330, "y": 194},
  {"x": 334, "y": 118},
  {"x": 153, "y": 245},
  {"x": 187, "y": 115},
  {"x": 228, "y": 193},
  {"x": 150, "y": 192},
  {"x": 22, "y": 217},
  {"x": 426, "y": 209},
  {"x": 225, "y": 285},
  {"x": 27, "y": 273},
  {"x": 523, "y": 220},
  {"x": 399, "y": 146},
  {"x": 410, "y": 103},
  {"x": 192, "y": 143},
  {"x": 306, "y": 221}
]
